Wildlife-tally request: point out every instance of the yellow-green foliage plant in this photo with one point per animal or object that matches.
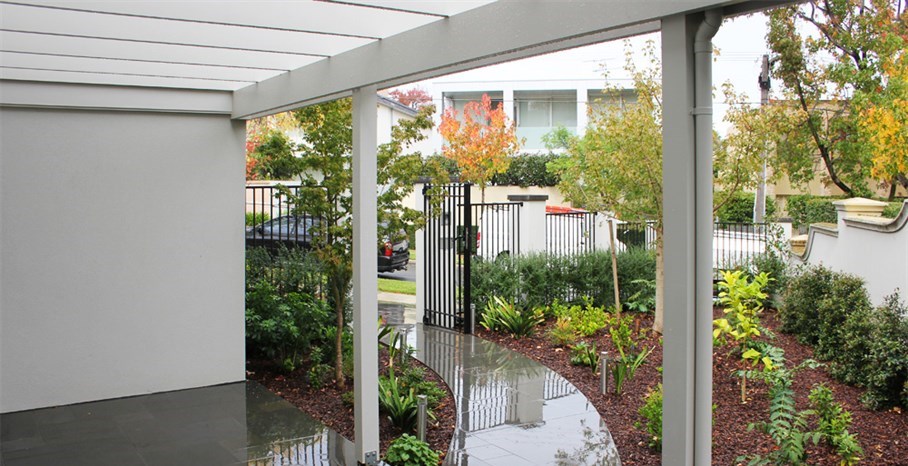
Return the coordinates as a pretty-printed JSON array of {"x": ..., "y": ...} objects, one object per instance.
[{"x": 743, "y": 301}]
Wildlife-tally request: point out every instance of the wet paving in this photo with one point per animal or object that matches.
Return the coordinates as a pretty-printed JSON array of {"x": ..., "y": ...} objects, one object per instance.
[
  {"x": 238, "y": 423},
  {"x": 510, "y": 411}
]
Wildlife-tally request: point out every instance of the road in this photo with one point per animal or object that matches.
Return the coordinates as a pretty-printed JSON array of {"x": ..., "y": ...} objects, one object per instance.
[{"x": 408, "y": 275}]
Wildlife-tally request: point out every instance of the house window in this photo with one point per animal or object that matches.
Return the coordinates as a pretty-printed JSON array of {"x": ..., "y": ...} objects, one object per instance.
[{"x": 539, "y": 112}]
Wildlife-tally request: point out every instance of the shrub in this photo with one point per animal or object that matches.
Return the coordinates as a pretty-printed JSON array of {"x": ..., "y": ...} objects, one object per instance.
[
  {"x": 652, "y": 412},
  {"x": 846, "y": 295},
  {"x": 527, "y": 170},
  {"x": 584, "y": 320},
  {"x": 287, "y": 269},
  {"x": 284, "y": 327},
  {"x": 562, "y": 332},
  {"x": 799, "y": 314},
  {"x": 538, "y": 280},
  {"x": 806, "y": 209},
  {"x": 887, "y": 360},
  {"x": 504, "y": 316},
  {"x": 408, "y": 450},
  {"x": 740, "y": 208}
]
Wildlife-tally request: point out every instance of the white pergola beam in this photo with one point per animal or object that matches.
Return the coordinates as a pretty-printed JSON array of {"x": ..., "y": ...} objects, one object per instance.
[
  {"x": 494, "y": 33},
  {"x": 365, "y": 281},
  {"x": 127, "y": 98}
]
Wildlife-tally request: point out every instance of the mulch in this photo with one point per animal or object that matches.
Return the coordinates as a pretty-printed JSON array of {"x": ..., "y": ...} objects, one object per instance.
[
  {"x": 882, "y": 434},
  {"x": 326, "y": 405}
]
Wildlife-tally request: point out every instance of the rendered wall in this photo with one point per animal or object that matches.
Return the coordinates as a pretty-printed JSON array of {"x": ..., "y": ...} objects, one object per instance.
[
  {"x": 860, "y": 248},
  {"x": 121, "y": 235}
]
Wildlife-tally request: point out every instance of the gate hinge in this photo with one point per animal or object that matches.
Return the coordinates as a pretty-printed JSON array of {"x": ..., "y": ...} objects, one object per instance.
[{"x": 371, "y": 458}]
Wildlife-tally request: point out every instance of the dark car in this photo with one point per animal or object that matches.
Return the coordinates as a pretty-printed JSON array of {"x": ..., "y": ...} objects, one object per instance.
[{"x": 294, "y": 231}]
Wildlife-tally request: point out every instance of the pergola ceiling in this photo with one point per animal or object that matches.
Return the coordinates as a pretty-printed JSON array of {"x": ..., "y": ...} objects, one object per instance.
[{"x": 201, "y": 44}]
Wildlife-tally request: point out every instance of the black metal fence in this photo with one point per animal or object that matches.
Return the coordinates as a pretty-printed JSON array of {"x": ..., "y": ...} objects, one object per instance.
[
  {"x": 734, "y": 244},
  {"x": 635, "y": 234},
  {"x": 270, "y": 220},
  {"x": 570, "y": 233},
  {"x": 497, "y": 227}
]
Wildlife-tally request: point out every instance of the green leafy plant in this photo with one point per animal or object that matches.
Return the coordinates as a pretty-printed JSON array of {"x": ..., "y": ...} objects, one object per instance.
[
  {"x": 503, "y": 316},
  {"x": 628, "y": 361},
  {"x": 833, "y": 422},
  {"x": 585, "y": 319},
  {"x": 414, "y": 377},
  {"x": 739, "y": 208},
  {"x": 806, "y": 209},
  {"x": 408, "y": 450},
  {"x": 400, "y": 405},
  {"x": 644, "y": 300},
  {"x": 651, "y": 411},
  {"x": 743, "y": 300},
  {"x": 585, "y": 354}
]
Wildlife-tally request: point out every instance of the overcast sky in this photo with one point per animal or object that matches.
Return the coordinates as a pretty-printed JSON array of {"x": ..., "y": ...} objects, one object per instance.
[{"x": 741, "y": 42}]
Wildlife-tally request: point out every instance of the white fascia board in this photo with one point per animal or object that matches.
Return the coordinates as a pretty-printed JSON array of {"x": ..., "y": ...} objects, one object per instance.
[
  {"x": 495, "y": 33},
  {"x": 123, "y": 98}
]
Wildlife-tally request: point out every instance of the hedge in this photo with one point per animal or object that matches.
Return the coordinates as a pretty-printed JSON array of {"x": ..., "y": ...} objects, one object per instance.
[
  {"x": 805, "y": 209},
  {"x": 740, "y": 208},
  {"x": 865, "y": 346},
  {"x": 540, "y": 279}
]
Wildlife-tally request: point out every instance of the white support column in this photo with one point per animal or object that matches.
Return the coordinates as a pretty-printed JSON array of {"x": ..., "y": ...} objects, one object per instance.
[
  {"x": 532, "y": 219},
  {"x": 420, "y": 248},
  {"x": 582, "y": 109},
  {"x": 507, "y": 95},
  {"x": 365, "y": 281},
  {"x": 679, "y": 214}
]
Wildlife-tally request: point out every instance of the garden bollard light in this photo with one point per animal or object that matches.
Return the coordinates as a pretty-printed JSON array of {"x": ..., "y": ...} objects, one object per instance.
[
  {"x": 603, "y": 372},
  {"x": 421, "y": 418}
]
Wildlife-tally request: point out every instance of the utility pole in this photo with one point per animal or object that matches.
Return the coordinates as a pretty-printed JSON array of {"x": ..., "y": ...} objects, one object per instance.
[{"x": 760, "y": 197}]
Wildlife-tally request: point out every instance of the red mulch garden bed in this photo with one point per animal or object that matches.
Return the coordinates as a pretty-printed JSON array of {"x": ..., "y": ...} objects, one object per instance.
[
  {"x": 326, "y": 404},
  {"x": 882, "y": 434}
]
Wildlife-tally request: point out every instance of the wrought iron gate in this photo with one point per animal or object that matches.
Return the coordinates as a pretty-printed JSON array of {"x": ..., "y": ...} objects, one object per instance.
[
  {"x": 457, "y": 233},
  {"x": 445, "y": 256}
]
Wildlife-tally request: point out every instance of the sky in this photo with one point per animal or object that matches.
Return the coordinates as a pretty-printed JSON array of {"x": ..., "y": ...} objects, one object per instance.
[{"x": 741, "y": 43}]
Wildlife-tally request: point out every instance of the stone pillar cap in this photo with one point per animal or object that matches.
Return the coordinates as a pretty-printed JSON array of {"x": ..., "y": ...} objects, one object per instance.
[{"x": 860, "y": 206}]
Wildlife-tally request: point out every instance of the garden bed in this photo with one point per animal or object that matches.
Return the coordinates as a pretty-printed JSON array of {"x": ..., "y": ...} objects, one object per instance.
[
  {"x": 882, "y": 434},
  {"x": 326, "y": 403}
]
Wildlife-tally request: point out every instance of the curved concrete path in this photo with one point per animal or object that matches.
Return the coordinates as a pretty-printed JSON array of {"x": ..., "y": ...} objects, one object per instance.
[{"x": 511, "y": 410}]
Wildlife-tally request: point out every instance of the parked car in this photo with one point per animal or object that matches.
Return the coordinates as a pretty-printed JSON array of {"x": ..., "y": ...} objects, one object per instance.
[{"x": 295, "y": 231}]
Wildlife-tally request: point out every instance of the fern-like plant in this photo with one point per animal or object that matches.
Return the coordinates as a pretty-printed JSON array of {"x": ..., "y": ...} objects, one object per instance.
[{"x": 833, "y": 422}]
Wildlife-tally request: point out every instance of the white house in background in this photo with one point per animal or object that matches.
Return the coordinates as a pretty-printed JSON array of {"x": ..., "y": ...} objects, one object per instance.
[{"x": 537, "y": 106}]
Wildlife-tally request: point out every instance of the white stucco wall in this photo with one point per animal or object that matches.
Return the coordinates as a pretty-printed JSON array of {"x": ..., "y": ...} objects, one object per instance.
[
  {"x": 880, "y": 258},
  {"x": 121, "y": 235}
]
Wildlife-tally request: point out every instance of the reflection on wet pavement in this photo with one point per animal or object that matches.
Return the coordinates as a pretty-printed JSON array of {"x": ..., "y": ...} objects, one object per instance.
[{"x": 511, "y": 409}]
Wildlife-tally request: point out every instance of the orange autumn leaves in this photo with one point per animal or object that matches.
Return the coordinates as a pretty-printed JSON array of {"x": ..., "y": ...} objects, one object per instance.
[{"x": 480, "y": 140}]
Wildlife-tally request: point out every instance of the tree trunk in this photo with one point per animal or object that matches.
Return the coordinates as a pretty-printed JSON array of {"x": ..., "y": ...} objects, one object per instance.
[
  {"x": 660, "y": 284},
  {"x": 339, "y": 340}
]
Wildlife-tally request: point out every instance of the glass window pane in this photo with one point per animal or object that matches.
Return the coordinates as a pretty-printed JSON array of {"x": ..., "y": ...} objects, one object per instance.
[
  {"x": 533, "y": 113},
  {"x": 564, "y": 114}
]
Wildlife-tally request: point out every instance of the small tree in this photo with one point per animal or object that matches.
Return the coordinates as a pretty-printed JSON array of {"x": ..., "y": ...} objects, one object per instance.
[
  {"x": 480, "y": 140},
  {"x": 414, "y": 97},
  {"x": 326, "y": 179},
  {"x": 617, "y": 165}
]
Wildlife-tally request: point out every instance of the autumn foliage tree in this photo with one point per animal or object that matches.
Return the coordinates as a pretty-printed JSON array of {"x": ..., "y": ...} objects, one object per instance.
[
  {"x": 414, "y": 97},
  {"x": 834, "y": 59},
  {"x": 480, "y": 141},
  {"x": 884, "y": 124}
]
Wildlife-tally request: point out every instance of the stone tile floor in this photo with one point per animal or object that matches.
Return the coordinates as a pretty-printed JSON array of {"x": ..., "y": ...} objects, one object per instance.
[{"x": 511, "y": 411}]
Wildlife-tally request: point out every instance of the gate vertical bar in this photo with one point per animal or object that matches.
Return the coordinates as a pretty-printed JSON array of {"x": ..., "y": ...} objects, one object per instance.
[{"x": 469, "y": 243}]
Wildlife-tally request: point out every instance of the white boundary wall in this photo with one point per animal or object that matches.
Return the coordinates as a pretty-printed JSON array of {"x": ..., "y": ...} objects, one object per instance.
[
  {"x": 121, "y": 238},
  {"x": 871, "y": 247}
]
